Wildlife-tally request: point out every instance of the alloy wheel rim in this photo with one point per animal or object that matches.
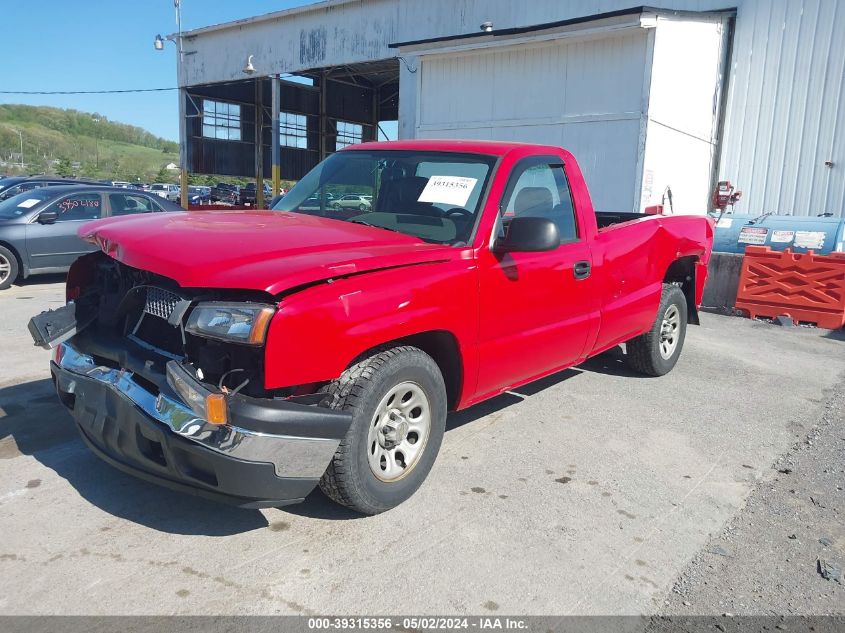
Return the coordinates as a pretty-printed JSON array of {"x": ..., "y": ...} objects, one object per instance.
[
  {"x": 5, "y": 269},
  {"x": 398, "y": 432},
  {"x": 669, "y": 331}
]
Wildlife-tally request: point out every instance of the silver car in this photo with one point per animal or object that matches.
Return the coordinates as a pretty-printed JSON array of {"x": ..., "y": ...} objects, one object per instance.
[{"x": 167, "y": 191}]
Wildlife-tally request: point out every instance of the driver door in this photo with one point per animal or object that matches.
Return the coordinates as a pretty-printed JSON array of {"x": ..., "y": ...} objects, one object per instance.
[
  {"x": 56, "y": 245},
  {"x": 538, "y": 309}
]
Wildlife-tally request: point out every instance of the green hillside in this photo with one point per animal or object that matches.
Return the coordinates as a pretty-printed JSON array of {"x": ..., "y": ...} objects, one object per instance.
[{"x": 57, "y": 140}]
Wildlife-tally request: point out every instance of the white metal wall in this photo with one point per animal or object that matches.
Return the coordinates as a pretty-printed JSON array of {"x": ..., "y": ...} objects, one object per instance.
[
  {"x": 583, "y": 94},
  {"x": 683, "y": 100}
]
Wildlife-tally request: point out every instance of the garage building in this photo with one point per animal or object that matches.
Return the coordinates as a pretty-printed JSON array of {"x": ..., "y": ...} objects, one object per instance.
[{"x": 681, "y": 94}]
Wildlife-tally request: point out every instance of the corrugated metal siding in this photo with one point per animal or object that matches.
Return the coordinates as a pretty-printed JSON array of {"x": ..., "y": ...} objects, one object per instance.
[
  {"x": 331, "y": 35},
  {"x": 583, "y": 94},
  {"x": 785, "y": 114}
]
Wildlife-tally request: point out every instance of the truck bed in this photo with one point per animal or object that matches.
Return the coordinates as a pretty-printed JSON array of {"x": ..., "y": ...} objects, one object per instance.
[{"x": 605, "y": 219}]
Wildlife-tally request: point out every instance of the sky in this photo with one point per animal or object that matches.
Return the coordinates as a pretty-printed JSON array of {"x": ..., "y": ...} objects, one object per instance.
[{"x": 107, "y": 45}]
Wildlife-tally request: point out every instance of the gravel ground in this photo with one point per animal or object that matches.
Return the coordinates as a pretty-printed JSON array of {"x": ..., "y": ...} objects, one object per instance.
[{"x": 784, "y": 553}]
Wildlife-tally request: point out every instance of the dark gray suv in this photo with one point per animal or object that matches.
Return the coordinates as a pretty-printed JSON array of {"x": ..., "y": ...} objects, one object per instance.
[{"x": 38, "y": 227}]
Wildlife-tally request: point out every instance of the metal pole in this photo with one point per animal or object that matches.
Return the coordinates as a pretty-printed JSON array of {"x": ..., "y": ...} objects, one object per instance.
[
  {"x": 259, "y": 145},
  {"x": 183, "y": 96},
  {"x": 323, "y": 123},
  {"x": 275, "y": 87},
  {"x": 21, "y": 135}
]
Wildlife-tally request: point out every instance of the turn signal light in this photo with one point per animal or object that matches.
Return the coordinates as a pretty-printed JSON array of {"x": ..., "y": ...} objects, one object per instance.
[
  {"x": 59, "y": 353},
  {"x": 215, "y": 408}
]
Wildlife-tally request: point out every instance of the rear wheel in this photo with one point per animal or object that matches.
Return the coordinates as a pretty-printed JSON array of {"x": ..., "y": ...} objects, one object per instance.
[
  {"x": 398, "y": 403},
  {"x": 656, "y": 352},
  {"x": 8, "y": 268}
]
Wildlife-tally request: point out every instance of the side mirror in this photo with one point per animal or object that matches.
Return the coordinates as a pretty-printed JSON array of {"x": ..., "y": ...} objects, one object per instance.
[
  {"x": 527, "y": 234},
  {"x": 48, "y": 217}
]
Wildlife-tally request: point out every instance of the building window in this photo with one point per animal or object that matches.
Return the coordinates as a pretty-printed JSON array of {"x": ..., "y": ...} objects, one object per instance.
[
  {"x": 348, "y": 134},
  {"x": 221, "y": 120},
  {"x": 293, "y": 130}
]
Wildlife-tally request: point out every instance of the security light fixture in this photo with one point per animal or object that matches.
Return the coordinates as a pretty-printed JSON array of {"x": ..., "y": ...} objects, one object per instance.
[
  {"x": 487, "y": 27},
  {"x": 249, "y": 68},
  {"x": 159, "y": 43}
]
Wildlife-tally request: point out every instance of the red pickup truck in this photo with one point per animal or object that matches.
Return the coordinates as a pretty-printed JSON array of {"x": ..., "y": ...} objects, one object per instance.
[{"x": 250, "y": 356}]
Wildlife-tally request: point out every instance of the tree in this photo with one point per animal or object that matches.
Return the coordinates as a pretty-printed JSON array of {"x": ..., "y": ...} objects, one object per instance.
[
  {"x": 162, "y": 175},
  {"x": 64, "y": 168}
]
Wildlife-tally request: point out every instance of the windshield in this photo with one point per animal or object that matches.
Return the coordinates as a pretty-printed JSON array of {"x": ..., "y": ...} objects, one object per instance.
[
  {"x": 435, "y": 196},
  {"x": 16, "y": 206}
]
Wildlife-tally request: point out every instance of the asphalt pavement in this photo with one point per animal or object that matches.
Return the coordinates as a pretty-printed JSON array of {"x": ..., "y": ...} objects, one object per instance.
[{"x": 590, "y": 492}]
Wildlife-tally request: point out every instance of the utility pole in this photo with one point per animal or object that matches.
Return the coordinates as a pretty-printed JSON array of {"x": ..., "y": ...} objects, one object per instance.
[
  {"x": 97, "y": 143},
  {"x": 21, "y": 135},
  {"x": 183, "y": 97},
  {"x": 183, "y": 124}
]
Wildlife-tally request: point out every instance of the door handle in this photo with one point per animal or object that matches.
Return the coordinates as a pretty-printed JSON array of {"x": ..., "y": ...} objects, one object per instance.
[{"x": 581, "y": 270}]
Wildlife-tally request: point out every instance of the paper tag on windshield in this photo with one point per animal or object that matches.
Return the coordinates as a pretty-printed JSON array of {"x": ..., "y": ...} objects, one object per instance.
[
  {"x": 454, "y": 190},
  {"x": 28, "y": 203}
]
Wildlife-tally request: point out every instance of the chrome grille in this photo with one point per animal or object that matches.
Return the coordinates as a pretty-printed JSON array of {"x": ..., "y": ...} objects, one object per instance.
[{"x": 160, "y": 302}]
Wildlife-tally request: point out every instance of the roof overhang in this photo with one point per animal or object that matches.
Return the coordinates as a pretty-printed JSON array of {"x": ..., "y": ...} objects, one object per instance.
[
  {"x": 633, "y": 17},
  {"x": 267, "y": 17}
]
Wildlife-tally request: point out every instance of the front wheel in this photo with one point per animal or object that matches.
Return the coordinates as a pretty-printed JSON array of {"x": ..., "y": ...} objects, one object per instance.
[
  {"x": 397, "y": 398},
  {"x": 656, "y": 352},
  {"x": 8, "y": 268}
]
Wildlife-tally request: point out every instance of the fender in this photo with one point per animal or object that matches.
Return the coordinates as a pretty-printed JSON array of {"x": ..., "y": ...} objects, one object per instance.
[{"x": 320, "y": 330}]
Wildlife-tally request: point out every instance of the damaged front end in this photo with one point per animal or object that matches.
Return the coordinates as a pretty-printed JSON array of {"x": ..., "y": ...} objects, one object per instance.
[{"x": 167, "y": 383}]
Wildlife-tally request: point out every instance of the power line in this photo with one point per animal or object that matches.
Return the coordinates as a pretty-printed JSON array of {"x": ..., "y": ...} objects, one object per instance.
[{"x": 82, "y": 92}]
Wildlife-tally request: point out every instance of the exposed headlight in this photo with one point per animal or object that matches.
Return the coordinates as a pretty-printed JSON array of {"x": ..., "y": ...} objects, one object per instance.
[{"x": 238, "y": 322}]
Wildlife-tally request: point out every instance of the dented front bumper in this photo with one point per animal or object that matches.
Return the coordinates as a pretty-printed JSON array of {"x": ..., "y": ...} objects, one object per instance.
[{"x": 270, "y": 453}]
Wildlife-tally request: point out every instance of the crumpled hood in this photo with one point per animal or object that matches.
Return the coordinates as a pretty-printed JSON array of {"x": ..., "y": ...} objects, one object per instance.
[{"x": 259, "y": 250}]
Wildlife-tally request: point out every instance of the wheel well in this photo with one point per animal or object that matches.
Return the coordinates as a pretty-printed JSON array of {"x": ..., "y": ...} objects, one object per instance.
[
  {"x": 443, "y": 348},
  {"x": 682, "y": 273},
  {"x": 17, "y": 255}
]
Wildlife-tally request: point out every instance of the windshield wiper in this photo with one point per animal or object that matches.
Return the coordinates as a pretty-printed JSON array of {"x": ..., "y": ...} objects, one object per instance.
[{"x": 376, "y": 226}]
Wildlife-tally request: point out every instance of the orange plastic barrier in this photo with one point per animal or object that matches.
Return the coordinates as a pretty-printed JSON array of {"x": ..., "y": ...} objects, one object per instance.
[{"x": 805, "y": 287}]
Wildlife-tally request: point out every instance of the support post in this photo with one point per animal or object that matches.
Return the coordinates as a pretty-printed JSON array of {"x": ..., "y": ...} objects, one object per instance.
[
  {"x": 183, "y": 148},
  {"x": 183, "y": 98},
  {"x": 275, "y": 88},
  {"x": 323, "y": 122},
  {"x": 259, "y": 146}
]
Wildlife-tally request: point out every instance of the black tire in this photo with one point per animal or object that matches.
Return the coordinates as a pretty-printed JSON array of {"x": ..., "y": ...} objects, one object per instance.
[
  {"x": 362, "y": 207},
  {"x": 644, "y": 353},
  {"x": 349, "y": 480},
  {"x": 10, "y": 260}
]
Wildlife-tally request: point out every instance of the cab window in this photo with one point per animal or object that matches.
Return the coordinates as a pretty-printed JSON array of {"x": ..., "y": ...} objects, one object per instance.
[
  {"x": 540, "y": 189},
  {"x": 128, "y": 204}
]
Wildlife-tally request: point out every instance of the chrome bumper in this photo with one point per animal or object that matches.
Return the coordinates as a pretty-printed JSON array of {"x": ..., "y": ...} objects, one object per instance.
[{"x": 291, "y": 456}]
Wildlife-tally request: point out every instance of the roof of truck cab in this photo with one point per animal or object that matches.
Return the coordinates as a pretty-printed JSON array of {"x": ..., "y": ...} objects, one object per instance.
[{"x": 492, "y": 148}]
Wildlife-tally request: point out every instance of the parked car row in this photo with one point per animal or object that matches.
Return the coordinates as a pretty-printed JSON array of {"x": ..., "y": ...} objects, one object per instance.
[
  {"x": 13, "y": 185},
  {"x": 38, "y": 227}
]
